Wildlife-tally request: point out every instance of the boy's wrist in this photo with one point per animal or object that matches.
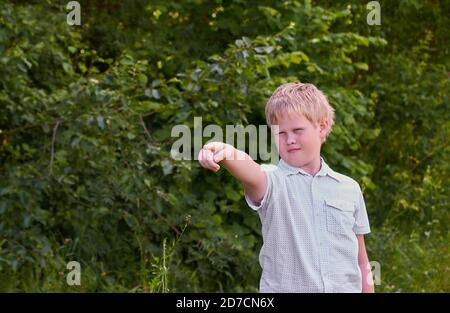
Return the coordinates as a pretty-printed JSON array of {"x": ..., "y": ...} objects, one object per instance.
[
  {"x": 234, "y": 154},
  {"x": 230, "y": 153}
]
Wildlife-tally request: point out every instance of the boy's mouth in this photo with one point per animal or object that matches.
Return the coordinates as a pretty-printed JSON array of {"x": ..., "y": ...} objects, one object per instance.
[{"x": 293, "y": 149}]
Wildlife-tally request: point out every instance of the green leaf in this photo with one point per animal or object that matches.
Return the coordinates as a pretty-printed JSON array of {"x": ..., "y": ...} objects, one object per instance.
[
  {"x": 142, "y": 79},
  {"x": 296, "y": 57},
  {"x": 67, "y": 68},
  {"x": 131, "y": 221},
  {"x": 146, "y": 106},
  {"x": 362, "y": 66},
  {"x": 217, "y": 219}
]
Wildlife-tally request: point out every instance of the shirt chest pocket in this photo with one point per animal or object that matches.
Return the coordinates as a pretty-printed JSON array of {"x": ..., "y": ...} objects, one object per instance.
[{"x": 340, "y": 215}]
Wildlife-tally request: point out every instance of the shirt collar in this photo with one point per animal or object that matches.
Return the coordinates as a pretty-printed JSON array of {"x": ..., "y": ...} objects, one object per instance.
[{"x": 324, "y": 170}]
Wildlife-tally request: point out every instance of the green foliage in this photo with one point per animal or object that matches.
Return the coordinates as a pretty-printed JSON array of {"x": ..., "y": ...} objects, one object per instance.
[
  {"x": 86, "y": 114},
  {"x": 411, "y": 262}
]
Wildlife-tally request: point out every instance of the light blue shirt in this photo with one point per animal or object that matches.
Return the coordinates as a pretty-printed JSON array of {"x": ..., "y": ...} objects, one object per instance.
[{"x": 309, "y": 228}]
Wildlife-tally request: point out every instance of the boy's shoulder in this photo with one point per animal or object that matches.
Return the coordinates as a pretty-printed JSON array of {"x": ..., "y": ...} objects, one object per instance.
[
  {"x": 281, "y": 171},
  {"x": 344, "y": 178},
  {"x": 269, "y": 167}
]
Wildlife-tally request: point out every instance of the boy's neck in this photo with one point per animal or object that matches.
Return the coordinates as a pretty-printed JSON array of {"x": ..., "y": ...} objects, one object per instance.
[{"x": 313, "y": 167}]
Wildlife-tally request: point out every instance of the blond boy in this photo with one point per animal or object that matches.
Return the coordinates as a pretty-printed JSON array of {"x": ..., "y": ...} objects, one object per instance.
[{"x": 313, "y": 219}]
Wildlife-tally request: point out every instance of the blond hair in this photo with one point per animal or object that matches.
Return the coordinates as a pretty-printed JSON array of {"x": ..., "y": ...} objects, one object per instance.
[{"x": 300, "y": 98}]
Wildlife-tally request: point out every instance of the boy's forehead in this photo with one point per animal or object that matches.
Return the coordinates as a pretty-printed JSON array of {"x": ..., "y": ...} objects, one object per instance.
[{"x": 291, "y": 118}]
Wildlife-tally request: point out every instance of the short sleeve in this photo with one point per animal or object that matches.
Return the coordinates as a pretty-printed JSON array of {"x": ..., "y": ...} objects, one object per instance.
[
  {"x": 361, "y": 226},
  {"x": 267, "y": 194}
]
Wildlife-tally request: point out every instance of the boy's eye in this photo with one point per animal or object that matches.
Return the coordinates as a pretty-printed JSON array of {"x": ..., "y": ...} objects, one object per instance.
[
  {"x": 298, "y": 129},
  {"x": 281, "y": 133}
]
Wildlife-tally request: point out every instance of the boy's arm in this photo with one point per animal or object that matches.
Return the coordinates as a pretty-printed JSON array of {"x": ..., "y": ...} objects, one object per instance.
[
  {"x": 239, "y": 164},
  {"x": 363, "y": 261}
]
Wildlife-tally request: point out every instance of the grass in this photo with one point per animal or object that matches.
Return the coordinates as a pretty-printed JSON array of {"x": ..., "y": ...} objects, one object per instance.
[{"x": 410, "y": 262}]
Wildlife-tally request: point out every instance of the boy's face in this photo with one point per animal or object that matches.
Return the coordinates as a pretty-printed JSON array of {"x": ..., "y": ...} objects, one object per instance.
[{"x": 298, "y": 140}]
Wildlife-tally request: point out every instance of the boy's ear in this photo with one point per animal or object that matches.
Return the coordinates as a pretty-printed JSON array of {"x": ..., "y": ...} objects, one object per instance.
[{"x": 324, "y": 125}]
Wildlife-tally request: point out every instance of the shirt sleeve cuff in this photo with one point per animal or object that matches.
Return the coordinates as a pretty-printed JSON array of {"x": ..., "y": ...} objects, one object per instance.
[
  {"x": 264, "y": 200},
  {"x": 361, "y": 230},
  {"x": 252, "y": 205}
]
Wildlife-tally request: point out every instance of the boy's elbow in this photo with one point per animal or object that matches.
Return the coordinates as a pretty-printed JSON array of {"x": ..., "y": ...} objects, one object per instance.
[
  {"x": 255, "y": 190},
  {"x": 255, "y": 198}
]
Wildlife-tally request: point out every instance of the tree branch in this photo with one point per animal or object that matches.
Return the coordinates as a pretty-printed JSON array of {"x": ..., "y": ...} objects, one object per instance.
[
  {"x": 53, "y": 146},
  {"x": 146, "y": 130}
]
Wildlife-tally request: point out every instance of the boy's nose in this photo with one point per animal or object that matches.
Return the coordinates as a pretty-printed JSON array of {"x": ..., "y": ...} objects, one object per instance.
[{"x": 290, "y": 140}]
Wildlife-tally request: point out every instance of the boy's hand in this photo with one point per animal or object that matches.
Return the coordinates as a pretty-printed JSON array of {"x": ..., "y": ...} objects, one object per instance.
[
  {"x": 239, "y": 164},
  {"x": 214, "y": 152}
]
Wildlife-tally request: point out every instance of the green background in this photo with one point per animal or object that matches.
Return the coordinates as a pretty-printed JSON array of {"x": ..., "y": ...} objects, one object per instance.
[{"x": 86, "y": 114}]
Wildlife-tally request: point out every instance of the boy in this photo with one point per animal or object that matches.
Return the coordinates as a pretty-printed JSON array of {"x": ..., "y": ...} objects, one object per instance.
[{"x": 313, "y": 219}]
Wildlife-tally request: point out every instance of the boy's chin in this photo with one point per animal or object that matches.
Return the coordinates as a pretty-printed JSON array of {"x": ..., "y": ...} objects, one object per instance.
[{"x": 296, "y": 160}]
